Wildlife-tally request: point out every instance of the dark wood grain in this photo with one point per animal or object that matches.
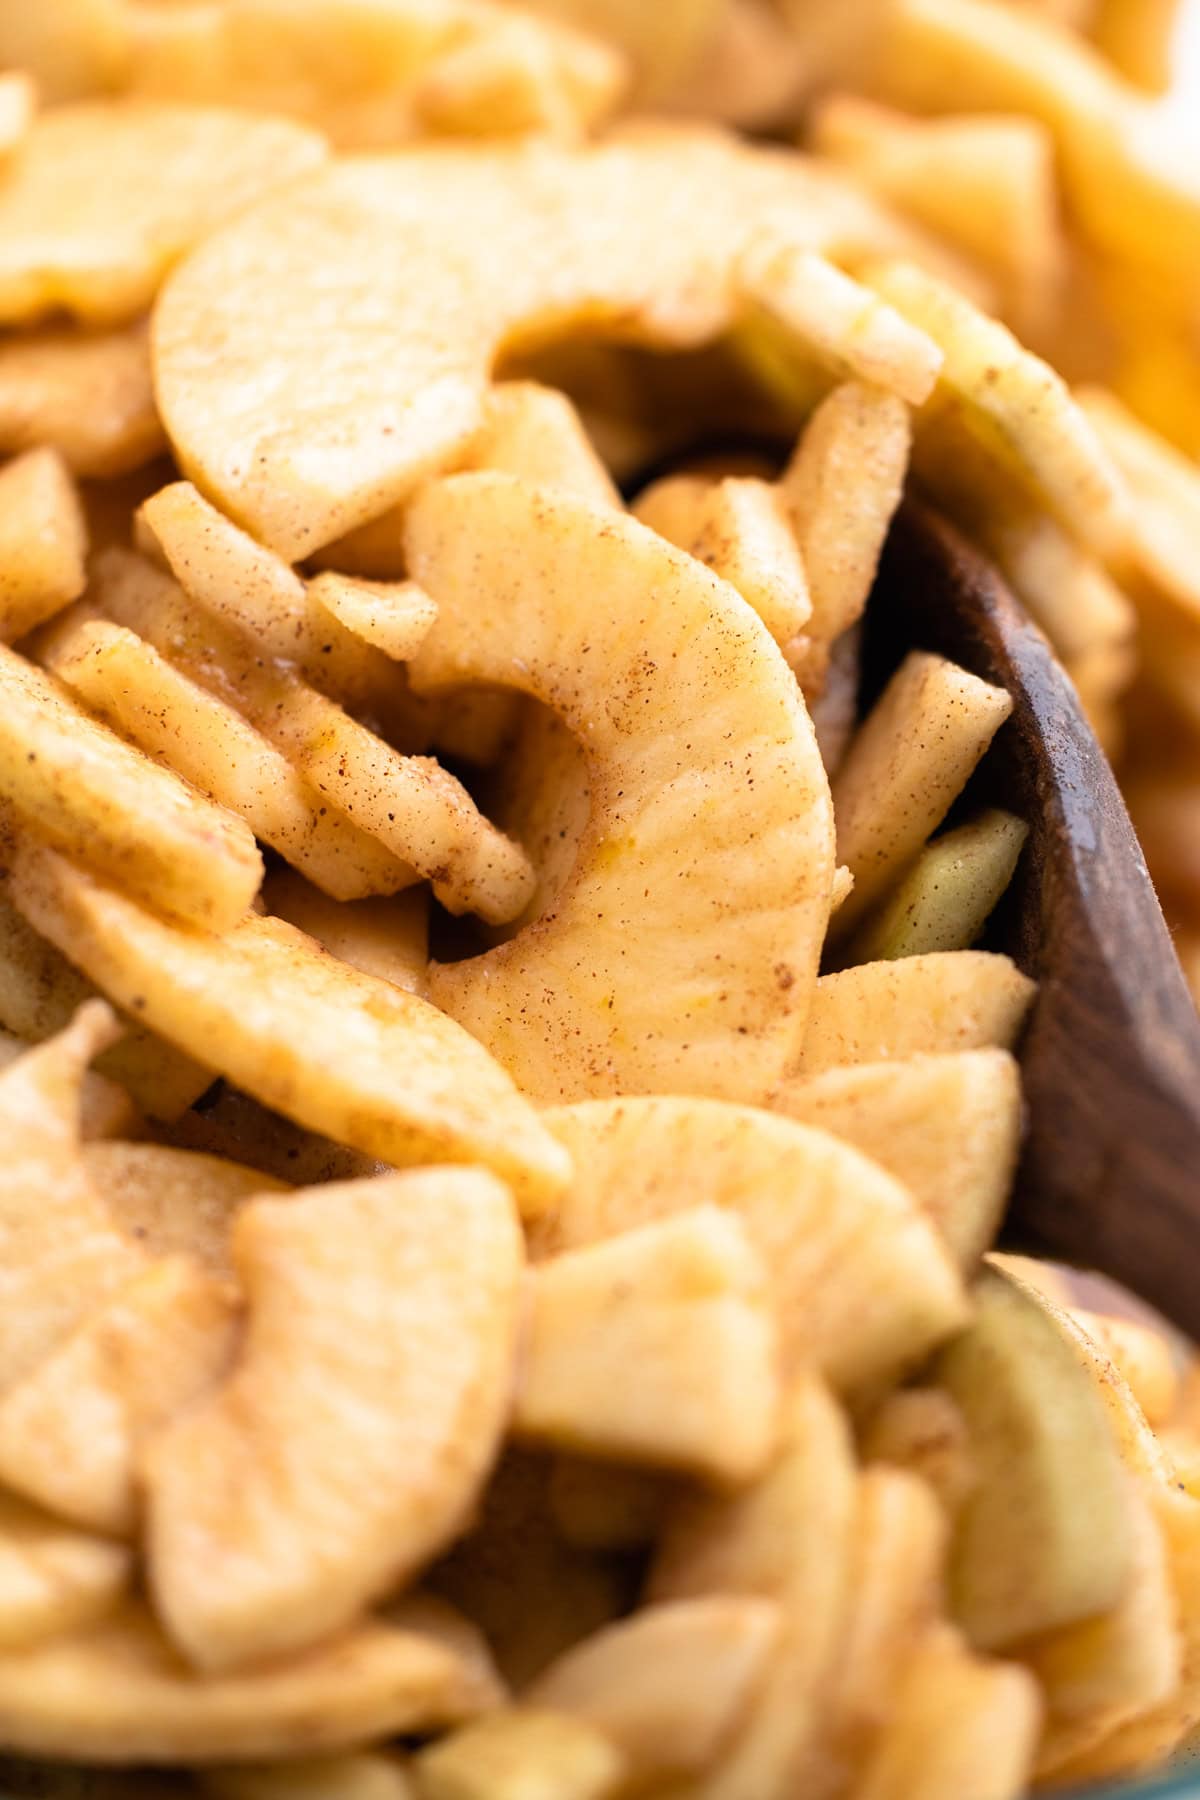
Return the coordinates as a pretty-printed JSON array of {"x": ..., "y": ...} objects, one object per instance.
[{"x": 1110, "y": 1175}]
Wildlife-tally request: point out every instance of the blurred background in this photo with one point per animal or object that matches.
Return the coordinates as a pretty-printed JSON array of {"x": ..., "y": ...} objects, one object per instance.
[{"x": 1184, "y": 103}]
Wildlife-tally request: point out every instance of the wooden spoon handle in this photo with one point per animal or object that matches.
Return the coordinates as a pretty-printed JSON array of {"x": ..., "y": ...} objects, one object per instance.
[{"x": 1110, "y": 1174}]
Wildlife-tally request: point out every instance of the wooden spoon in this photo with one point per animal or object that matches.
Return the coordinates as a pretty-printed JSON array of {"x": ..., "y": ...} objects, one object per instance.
[{"x": 1110, "y": 1175}]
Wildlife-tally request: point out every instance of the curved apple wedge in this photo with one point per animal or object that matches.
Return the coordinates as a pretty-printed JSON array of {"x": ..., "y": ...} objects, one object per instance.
[
  {"x": 664, "y": 970},
  {"x": 352, "y": 1438}
]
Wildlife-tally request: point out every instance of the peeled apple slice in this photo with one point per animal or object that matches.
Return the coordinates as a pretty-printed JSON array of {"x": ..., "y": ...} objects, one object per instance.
[
  {"x": 948, "y": 1127},
  {"x": 106, "y": 1109},
  {"x": 961, "y": 1726},
  {"x": 208, "y": 743},
  {"x": 930, "y": 1005},
  {"x": 70, "y": 1432},
  {"x": 535, "y": 432},
  {"x": 860, "y": 1283},
  {"x": 791, "y": 1537},
  {"x": 108, "y": 194},
  {"x": 53, "y": 1578},
  {"x": 118, "y": 1693},
  {"x": 656, "y": 969},
  {"x": 515, "y": 1755},
  {"x": 89, "y": 395},
  {"x": 899, "y": 1553},
  {"x": 1014, "y": 403},
  {"x": 670, "y": 1684},
  {"x": 340, "y": 1052},
  {"x": 224, "y": 572},
  {"x": 360, "y": 1422},
  {"x": 657, "y": 1347},
  {"x": 433, "y": 261},
  {"x": 404, "y": 803},
  {"x": 43, "y": 541},
  {"x": 40, "y": 994},
  {"x": 739, "y": 528},
  {"x": 80, "y": 786},
  {"x": 61, "y": 1254},
  {"x": 174, "y": 1202}
]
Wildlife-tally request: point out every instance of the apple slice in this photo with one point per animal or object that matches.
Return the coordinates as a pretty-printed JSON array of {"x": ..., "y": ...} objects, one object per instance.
[
  {"x": 1044, "y": 1539},
  {"x": 862, "y": 1288},
  {"x": 948, "y": 1127}
]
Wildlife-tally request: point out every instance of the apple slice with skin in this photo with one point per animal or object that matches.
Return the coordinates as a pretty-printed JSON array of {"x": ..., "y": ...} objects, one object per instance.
[{"x": 1044, "y": 1538}]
